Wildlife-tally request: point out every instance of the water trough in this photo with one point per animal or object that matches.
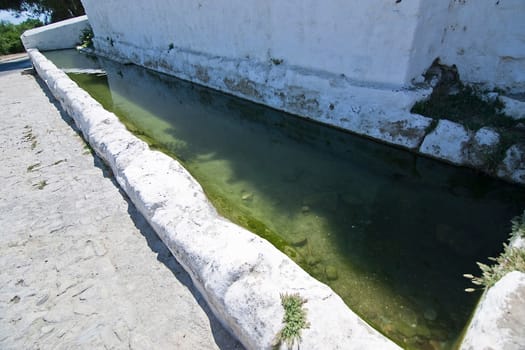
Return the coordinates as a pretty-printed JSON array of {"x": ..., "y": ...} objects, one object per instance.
[{"x": 243, "y": 288}]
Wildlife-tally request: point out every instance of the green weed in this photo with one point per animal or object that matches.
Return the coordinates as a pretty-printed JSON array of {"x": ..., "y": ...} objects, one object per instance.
[
  {"x": 294, "y": 320},
  {"x": 512, "y": 259}
]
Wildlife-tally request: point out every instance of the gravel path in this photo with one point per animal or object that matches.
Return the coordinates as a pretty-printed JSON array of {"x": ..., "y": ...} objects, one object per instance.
[{"x": 81, "y": 269}]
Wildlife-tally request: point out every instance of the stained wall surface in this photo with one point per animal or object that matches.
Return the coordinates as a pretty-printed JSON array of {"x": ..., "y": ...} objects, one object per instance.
[{"x": 372, "y": 42}]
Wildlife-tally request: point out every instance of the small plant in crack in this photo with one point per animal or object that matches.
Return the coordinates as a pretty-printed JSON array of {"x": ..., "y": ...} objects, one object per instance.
[
  {"x": 294, "y": 320},
  {"x": 277, "y": 61},
  {"x": 28, "y": 136},
  {"x": 41, "y": 184},
  {"x": 86, "y": 38},
  {"x": 33, "y": 167},
  {"x": 512, "y": 259}
]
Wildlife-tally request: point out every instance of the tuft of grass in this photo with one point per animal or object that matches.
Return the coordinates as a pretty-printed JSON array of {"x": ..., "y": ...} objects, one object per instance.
[
  {"x": 30, "y": 137},
  {"x": 32, "y": 167},
  {"x": 86, "y": 38},
  {"x": 88, "y": 149},
  {"x": 512, "y": 259},
  {"x": 294, "y": 320},
  {"x": 518, "y": 226},
  {"x": 40, "y": 185}
]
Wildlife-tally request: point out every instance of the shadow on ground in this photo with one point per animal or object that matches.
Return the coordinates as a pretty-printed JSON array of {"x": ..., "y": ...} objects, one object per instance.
[
  {"x": 15, "y": 64},
  {"x": 222, "y": 338}
]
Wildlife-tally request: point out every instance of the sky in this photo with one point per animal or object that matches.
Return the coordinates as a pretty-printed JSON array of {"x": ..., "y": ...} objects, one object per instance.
[{"x": 10, "y": 17}]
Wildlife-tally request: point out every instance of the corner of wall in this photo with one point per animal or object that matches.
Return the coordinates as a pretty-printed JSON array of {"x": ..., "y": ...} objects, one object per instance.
[{"x": 427, "y": 41}]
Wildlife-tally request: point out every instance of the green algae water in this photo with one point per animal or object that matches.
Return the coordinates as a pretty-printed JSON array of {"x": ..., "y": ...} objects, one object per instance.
[{"x": 390, "y": 232}]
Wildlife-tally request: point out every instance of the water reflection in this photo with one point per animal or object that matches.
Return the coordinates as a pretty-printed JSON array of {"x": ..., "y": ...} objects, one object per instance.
[{"x": 390, "y": 232}]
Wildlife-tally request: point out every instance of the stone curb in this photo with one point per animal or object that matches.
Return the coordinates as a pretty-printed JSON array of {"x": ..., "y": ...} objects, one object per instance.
[
  {"x": 453, "y": 143},
  {"x": 498, "y": 322},
  {"x": 499, "y": 318},
  {"x": 240, "y": 275}
]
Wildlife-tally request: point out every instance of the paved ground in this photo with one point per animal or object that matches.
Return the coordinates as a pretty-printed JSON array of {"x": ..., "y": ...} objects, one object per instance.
[{"x": 80, "y": 268}]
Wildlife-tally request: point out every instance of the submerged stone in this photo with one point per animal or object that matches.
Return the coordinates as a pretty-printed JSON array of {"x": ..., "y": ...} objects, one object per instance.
[
  {"x": 300, "y": 242},
  {"x": 430, "y": 314},
  {"x": 331, "y": 273},
  {"x": 247, "y": 196},
  {"x": 312, "y": 260}
]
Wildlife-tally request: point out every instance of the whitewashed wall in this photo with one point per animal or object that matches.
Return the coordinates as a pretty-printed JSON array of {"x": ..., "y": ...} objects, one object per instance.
[
  {"x": 62, "y": 35},
  {"x": 368, "y": 41},
  {"x": 486, "y": 40},
  {"x": 381, "y": 42},
  {"x": 343, "y": 63},
  {"x": 351, "y": 64}
]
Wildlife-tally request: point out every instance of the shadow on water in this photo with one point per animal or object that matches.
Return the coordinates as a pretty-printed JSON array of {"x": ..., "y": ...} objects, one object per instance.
[{"x": 390, "y": 232}]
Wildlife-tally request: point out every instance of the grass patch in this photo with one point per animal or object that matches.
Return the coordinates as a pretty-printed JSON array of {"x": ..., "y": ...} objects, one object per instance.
[
  {"x": 512, "y": 259},
  {"x": 294, "y": 320},
  {"x": 464, "y": 107}
]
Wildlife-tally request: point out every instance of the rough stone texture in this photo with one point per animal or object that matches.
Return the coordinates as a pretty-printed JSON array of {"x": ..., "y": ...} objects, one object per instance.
[
  {"x": 55, "y": 36},
  {"x": 447, "y": 141},
  {"x": 81, "y": 268},
  {"x": 513, "y": 108},
  {"x": 498, "y": 322},
  {"x": 452, "y": 142},
  {"x": 513, "y": 166},
  {"x": 240, "y": 275},
  {"x": 482, "y": 145}
]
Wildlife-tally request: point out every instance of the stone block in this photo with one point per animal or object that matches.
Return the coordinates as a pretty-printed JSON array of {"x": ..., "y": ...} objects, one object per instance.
[{"x": 447, "y": 141}]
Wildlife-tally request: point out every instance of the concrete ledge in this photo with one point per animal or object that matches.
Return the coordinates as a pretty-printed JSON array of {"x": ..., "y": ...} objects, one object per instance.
[
  {"x": 498, "y": 322},
  {"x": 239, "y": 274},
  {"x": 499, "y": 319},
  {"x": 56, "y": 36},
  {"x": 453, "y": 143}
]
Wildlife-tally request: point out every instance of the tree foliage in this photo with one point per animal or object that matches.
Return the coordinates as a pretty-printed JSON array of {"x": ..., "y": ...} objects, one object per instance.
[
  {"x": 10, "y": 35},
  {"x": 54, "y": 10}
]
